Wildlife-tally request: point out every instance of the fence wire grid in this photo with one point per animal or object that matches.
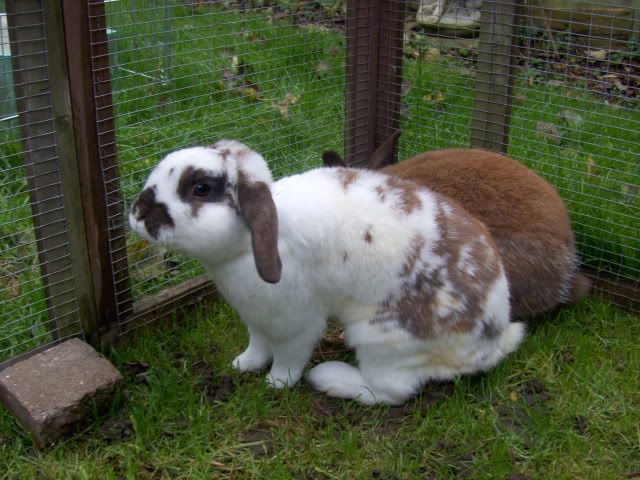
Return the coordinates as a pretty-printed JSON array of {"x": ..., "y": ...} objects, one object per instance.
[
  {"x": 187, "y": 73},
  {"x": 38, "y": 305},
  {"x": 553, "y": 83},
  {"x": 573, "y": 110}
]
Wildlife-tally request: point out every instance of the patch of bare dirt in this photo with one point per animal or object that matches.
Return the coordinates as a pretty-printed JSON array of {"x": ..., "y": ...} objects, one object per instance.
[
  {"x": 116, "y": 429},
  {"x": 259, "y": 441},
  {"x": 217, "y": 389}
]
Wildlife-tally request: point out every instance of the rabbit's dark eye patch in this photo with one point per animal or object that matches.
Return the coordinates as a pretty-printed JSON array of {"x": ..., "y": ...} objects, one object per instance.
[{"x": 197, "y": 186}]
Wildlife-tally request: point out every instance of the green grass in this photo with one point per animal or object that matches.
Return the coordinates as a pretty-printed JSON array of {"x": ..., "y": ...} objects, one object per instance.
[
  {"x": 563, "y": 406},
  {"x": 578, "y": 424}
]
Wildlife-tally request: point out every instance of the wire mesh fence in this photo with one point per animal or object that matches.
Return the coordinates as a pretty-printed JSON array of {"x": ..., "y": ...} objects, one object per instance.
[
  {"x": 559, "y": 82},
  {"x": 552, "y": 83},
  {"x": 188, "y": 73},
  {"x": 38, "y": 304}
]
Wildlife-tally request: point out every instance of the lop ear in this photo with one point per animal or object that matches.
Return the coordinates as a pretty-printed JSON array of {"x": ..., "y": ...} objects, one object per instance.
[
  {"x": 332, "y": 159},
  {"x": 259, "y": 211},
  {"x": 385, "y": 153}
]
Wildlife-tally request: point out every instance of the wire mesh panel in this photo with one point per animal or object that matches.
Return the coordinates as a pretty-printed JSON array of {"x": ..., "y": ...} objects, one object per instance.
[
  {"x": 38, "y": 304},
  {"x": 554, "y": 84},
  {"x": 186, "y": 73},
  {"x": 576, "y": 118}
]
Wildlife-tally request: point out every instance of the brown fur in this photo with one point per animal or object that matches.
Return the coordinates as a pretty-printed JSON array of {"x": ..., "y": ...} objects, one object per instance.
[
  {"x": 155, "y": 214},
  {"x": 259, "y": 211},
  {"x": 190, "y": 177},
  {"x": 408, "y": 199},
  {"x": 418, "y": 308},
  {"x": 526, "y": 217},
  {"x": 347, "y": 176}
]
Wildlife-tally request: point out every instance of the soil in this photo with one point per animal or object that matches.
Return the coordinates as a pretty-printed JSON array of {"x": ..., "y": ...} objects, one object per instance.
[
  {"x": 581, "y": 424},
  {"x": 136, "y": 371},
  {"x": 567, "y": 61},
  {"x": 116, "y": 429},
  {"x": 260, "y": 440},
  {"x": 218, "y": 389},
  {"x": 516, "y": 417}
]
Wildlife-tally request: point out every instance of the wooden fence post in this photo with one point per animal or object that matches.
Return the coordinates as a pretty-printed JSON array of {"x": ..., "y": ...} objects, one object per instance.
[
  {"x": 68, "y": 134},
  {"x": 97, "y": 166},
  {"x": 495, "y": 75},
  {"x": 375, "y": 31},
  {"x": 40, "y": 117}
]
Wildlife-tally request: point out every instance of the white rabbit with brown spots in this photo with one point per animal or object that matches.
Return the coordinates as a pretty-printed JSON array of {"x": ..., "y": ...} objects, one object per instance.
[{"x": 414, "y": 279}]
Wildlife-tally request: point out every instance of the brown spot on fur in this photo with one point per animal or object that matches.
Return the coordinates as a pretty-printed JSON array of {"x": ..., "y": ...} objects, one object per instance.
[
  {"x": 380, "y": 192},
  {"x": 242, "y": 153},
  {"x": 447, "y": 297},
  {"x": 415, "y": 250},
  {"x": 224, "y": 154},
  {"x": 367, "y": 235},
  {"x": 347, "y": 176},
  {"x": 408, "y": 199}
]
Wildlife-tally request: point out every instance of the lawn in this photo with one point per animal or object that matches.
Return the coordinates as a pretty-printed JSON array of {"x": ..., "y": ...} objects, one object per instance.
[{"x": 562, "y": 407}]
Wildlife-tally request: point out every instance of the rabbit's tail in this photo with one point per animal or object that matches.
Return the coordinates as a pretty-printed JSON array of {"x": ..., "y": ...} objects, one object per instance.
[
  {"x": 580, "y": 287},
  {"x": 511, "y": 337}
]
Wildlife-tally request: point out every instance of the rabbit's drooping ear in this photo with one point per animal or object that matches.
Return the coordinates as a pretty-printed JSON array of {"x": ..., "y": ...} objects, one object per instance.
[
  {"x": 259, "y": 211},
  {"x": 384, "y": 154},
  {"x": 332, "y": 159}
]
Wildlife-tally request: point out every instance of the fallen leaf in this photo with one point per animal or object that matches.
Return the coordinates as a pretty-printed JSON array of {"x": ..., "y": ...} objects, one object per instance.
[
  {"x": 432, "y": 53},
  {"x": 571, "y": 117},
  {"x": 597, "y": 54},
  {"x": 322, "y": 69},
  {"x": 513, "y": 396},
  {"x": 550, "y": 131},
  {"x": 13, "y": 286},
  {"x": 237, "y": 78},
  {"x": 630, "y": 193},
  {"x": 436, "y": 97},
  {"x": 283, "y": 104}
]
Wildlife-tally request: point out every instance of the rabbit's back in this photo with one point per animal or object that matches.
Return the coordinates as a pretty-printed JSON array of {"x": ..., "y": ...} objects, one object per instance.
[
  {"x": 400, "y": 252},
  {"x": 526, "y": 217}
]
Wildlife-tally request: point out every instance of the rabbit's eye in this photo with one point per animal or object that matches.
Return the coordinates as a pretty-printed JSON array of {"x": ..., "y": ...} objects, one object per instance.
[{"x": 201, "y": 190}]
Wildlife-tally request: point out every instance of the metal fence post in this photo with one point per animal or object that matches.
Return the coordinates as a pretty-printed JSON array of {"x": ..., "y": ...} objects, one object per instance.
[
  {"x": 374, "y": 75},
  {"x": 495, "y": 76}
]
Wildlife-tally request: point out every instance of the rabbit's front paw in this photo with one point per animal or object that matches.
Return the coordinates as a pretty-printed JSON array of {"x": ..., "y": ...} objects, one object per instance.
[
  {"x": 251, "y": 360},
  {"x": 281, "y": 378}
]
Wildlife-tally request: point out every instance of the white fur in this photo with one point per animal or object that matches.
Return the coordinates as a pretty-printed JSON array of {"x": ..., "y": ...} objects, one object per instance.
[{"x": 330, "y": 270}]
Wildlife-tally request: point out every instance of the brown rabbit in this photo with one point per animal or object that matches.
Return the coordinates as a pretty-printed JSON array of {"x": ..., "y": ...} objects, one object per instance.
[{"x": 526, "y": 217}]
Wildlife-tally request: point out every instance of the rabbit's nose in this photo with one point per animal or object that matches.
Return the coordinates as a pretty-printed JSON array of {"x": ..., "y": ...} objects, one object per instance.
[
  {"x": 153, "y": 214},
  {"x": 144, "y": 203}
]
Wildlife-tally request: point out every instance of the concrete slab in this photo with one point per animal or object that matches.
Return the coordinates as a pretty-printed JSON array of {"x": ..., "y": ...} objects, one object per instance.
[{"x": 52, "y": 392}]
